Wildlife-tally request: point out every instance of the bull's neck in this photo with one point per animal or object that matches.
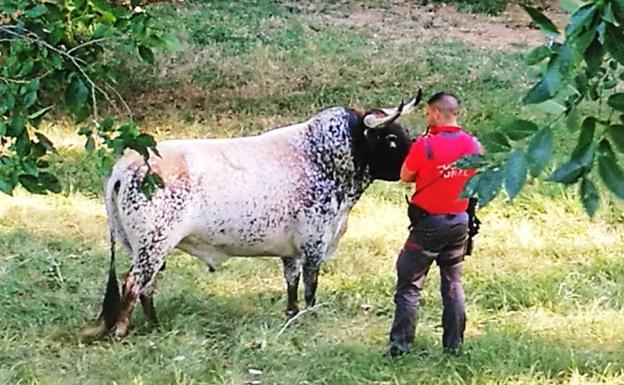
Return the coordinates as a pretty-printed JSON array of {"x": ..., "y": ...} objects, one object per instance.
[{"x": 332, "y": 152}]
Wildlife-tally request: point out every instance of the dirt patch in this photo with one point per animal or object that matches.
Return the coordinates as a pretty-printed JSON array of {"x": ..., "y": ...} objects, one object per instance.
[{"x": 404, "y": 22}]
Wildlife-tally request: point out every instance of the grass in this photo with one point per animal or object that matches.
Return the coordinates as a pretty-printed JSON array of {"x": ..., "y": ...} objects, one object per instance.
[{"x": 545, "y": 286}]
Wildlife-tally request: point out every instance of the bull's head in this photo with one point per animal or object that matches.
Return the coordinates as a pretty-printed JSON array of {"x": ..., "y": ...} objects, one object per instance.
[{"x": 386, "y": 143}]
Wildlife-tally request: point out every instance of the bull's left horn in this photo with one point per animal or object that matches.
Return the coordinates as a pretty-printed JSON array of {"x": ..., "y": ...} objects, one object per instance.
[{"x": 392, "y": 114}]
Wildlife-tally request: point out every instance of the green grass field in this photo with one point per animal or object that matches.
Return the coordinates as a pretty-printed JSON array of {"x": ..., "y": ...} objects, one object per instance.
[{"x": 544, "y": 288}]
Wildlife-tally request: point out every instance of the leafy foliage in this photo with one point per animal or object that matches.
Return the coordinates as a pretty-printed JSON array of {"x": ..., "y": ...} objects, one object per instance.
[
  {"x": 52, "y": 58},
  {"x": 580, "y": 71}
]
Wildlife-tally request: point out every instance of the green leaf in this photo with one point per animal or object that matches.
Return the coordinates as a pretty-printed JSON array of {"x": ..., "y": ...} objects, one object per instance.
[
  {"x": 6, "y": 185},
  {"x": 30, "y": 99},
  {"x": 40, "y": 113},
  {"x": 90, "y": 144},
  {"x": 471, "y": 188},
  {"x": 496, "y": 142},
  {"x": 537, "y": 55},
  {"x": 607, "y": 14},
  {"x": 618, "y": 11},
  {"x": 76, "y": 94},
  {"x": 616, "y": 133},
  {"x": 590, "y": 196},
  {"x": 18, "y": 126},
  {"x": 106, "y": 125},
  {"x": 583, "y": 17},
  {"x": 515, "y": 173},
  {"x": 57, "y": 34},
  {"x": 31, "y": 183},
  {"x": 567, "y": 173},
  {"x": 489, "y": 185},
  {"x": 609, "y": 82},
  {"x": 520, "y": 129},
  {"x": 146, "y": 54},
  {"x": 616, "y": 101},
  {"x": 550, "y": 107},
  {"x": 150, "y": 183},
  {"x": 36, "y": 11},
  {"x": 573, "y": 120},
  {"x": 541, "y": 21},
  {"x": 570, "y": 5},
  {"x": 586, "y": 137},
  {"x": 3, "y": 129},
  {"x": 539, "y": 93},
  {"x": 470, "y": 162},
  {"x": 23, "y": 145},
  {"x": 540, "y": 151},
  {"x": 50, "y": 182},
  {"x": 171, "y": 43},
  {"x": 583, "y": 41},
  {"x": 614, "y": 38},
  {"x": 609, "y": 169}
]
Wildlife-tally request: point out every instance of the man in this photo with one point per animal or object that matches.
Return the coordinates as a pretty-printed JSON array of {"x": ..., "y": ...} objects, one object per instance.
[{"x": 439, "y": 224}]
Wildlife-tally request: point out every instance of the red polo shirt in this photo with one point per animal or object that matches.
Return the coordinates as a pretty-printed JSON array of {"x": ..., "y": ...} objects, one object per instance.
[{"x": 439, "y": 184}]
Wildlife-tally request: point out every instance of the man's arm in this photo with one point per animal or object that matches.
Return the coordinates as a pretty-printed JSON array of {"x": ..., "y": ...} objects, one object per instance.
[{"x": 407, "y": 175}]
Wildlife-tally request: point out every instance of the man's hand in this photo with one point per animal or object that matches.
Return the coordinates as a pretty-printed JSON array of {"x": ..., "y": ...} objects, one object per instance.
[{"x": 407, "y": 176}]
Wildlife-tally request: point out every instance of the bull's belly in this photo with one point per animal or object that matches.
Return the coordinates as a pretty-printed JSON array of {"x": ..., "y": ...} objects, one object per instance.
[{"x": 215, "y": 247}]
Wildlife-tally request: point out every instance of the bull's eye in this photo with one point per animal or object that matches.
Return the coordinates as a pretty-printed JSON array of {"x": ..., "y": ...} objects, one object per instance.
[{"x": 391, "y": 139}]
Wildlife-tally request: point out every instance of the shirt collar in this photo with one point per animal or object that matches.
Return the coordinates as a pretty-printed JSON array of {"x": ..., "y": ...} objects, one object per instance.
[{"x": 437, "y": 129}]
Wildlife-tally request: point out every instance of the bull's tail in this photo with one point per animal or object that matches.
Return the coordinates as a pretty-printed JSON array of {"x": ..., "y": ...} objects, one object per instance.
[{"x": 111, "y": 305}]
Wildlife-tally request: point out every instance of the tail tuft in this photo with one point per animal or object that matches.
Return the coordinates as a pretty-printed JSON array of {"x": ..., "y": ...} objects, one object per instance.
[{"x": 111, "y": 306}]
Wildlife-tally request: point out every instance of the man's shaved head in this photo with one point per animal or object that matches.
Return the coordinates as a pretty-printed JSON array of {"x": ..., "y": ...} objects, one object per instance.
[
  {"x": 442, "y": 110},
  {"x": 446, "y": 102}
]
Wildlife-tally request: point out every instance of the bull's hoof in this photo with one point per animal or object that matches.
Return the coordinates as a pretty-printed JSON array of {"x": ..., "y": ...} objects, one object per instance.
[
  {"x": 291, "y": 312},
  {"x": 96, "y": 330},
  {"x": 121, "y": 331}
]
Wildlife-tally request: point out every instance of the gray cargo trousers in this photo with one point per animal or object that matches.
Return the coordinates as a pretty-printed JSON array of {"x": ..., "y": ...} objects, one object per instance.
[{"x": 442, "y": 238}]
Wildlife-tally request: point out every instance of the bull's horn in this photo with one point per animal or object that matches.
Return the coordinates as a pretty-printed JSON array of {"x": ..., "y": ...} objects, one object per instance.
[
  {"x": 409, "y": 107},
  {"x": 392, "y": 114}
]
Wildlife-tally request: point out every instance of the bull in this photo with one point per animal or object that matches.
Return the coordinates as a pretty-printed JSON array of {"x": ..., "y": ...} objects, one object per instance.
[{"x": 286, "y": 193}]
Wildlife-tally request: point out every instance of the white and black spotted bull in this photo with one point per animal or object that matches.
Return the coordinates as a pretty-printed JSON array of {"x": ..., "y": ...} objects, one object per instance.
[{"x": 285, "y": 193}]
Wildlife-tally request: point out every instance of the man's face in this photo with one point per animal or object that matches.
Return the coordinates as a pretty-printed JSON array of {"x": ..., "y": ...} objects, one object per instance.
[{"x": 432, "y": 115}]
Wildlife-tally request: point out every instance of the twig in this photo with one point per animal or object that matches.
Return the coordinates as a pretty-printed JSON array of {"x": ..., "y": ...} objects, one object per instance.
[
  {"x": 37, "y": 40},
  {"x": 7, "y": 81},
  {"x": 123, "y": 101},
  {"x": 290, "y": 321},
  {"x": 88, "y": 43}
]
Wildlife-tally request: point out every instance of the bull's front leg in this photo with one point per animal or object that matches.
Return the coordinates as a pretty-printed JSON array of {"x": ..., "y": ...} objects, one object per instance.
[{"x": 292, "y": 272}]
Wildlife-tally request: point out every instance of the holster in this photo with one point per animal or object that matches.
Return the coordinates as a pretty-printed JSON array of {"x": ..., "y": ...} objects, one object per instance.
[
  {"x": 415, "y": 214},
  {"x": 473, "y": 223}
]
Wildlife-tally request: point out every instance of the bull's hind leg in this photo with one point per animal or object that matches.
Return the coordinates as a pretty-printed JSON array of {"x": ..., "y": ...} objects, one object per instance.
[
  {"x": 312, "y": 258},
  {"x": 139, "y": 284},
  {"x": 147, "y": 300},
  {"x": 292, "y": 272}
]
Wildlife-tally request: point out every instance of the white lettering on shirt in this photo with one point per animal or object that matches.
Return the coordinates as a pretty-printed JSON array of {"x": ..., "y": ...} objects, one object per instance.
[{"x": 448, "y": 171}]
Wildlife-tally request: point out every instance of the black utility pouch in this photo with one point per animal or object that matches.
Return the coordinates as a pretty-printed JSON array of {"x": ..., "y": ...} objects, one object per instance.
[
  {"x": 415, "y": 214},
  {"x": 473, "y": 223}
]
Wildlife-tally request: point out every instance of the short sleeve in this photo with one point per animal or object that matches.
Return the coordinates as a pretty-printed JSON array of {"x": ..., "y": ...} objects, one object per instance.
[{"x": 416, "y": 156}]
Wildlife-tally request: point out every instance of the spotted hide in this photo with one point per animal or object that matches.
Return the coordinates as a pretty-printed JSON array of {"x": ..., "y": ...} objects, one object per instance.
[{"x": 286, "y": 193}]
